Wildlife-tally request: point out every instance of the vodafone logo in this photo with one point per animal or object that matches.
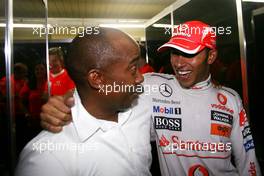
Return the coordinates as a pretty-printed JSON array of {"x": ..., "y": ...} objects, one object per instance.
[
  {"x": 242, "y": 117},
  {"x": 222, "y": 99},
  {"x": 198, "y": 170},
  {"x": 222, "y": 107}
]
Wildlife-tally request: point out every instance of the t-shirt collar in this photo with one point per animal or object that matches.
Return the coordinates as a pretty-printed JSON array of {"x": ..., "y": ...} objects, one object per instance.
[{"x": 86, "y": 125}]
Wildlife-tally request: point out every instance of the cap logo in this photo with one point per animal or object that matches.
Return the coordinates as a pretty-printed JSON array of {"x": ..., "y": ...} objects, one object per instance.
[
  {"x": 191, "y": 37},
  {"x": 183, "y": 30}
]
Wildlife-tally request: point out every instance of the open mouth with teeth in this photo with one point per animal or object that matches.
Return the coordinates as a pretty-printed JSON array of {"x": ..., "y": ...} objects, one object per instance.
[{"x": 183, "y": 75}]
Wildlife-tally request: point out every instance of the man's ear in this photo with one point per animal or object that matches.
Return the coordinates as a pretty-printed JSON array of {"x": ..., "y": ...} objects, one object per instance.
[
  {"x": 95, "y": 78},
  {"x": 212, "y": 55}
]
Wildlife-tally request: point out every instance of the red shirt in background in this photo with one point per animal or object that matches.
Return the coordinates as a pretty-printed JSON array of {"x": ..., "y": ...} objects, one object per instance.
[
  {"x": 35, "y": 98},
  {"x": 146, "y": 69},
  {"x": 60, "y": 83},
  {"x": 17, "y": 86}
]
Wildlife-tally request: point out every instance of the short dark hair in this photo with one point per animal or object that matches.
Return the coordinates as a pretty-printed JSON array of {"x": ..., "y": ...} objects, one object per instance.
[
  {"x": 92, "y": 51},
  {"x": 88, "y": 52},
  {"x": 20, "y": 67},
  {"x": 56, "y": 51}
]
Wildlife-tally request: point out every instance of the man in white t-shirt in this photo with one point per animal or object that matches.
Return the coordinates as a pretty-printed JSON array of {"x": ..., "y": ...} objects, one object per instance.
[{"x": 105, "y": 137}]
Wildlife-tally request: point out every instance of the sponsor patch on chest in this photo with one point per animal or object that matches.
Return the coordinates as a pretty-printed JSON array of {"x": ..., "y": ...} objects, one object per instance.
[
  {"x": 220, "y": 130},
  {"x": 221, "y": 117},
  {"x": 173, "y": 124}
]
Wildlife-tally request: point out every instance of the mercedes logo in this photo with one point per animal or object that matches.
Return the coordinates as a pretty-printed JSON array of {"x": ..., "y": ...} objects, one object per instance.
[{"x": 165, "y": 90}]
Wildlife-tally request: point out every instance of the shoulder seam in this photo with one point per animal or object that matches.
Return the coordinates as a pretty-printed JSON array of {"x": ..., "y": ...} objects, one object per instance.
[
  {"x": 161, "y": 76},
  {"x": 223, "y": 88}
]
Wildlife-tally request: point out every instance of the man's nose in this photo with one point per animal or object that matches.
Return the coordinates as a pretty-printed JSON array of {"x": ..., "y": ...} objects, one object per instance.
[{"x": 177, "y": 60}]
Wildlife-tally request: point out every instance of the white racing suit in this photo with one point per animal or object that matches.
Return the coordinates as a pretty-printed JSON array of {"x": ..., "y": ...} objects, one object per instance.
[{"x": 197, "y": 130}]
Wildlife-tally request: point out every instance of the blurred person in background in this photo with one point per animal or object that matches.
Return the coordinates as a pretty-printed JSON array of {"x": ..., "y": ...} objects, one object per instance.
[
  {"x": 60, "y": 82},
  {"x": 33, "y": 97},
  {"x": 18, "y": 81}
]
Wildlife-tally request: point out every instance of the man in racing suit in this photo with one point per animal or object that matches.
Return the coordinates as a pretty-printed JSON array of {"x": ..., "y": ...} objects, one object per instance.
[
  {"x": 197, "y": 126},
  {"x": 198, "y": 129}
]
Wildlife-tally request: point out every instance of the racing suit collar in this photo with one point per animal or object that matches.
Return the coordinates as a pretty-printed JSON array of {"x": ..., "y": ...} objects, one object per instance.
[{"x": 203, "y": 85}]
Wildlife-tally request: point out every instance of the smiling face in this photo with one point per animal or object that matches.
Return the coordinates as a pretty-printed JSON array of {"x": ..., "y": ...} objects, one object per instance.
[{"x": 191, "y": 69}]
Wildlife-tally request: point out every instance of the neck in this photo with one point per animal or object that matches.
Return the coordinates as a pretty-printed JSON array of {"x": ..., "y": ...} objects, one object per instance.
[
  {"x": 98, "y": 109},
  {"x": 203, "y": 84},
  {"x": 56, "y": 74}
]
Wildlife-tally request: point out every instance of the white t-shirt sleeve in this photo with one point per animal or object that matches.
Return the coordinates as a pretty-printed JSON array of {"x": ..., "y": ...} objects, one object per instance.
[{"x": 32, "y": 163}]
